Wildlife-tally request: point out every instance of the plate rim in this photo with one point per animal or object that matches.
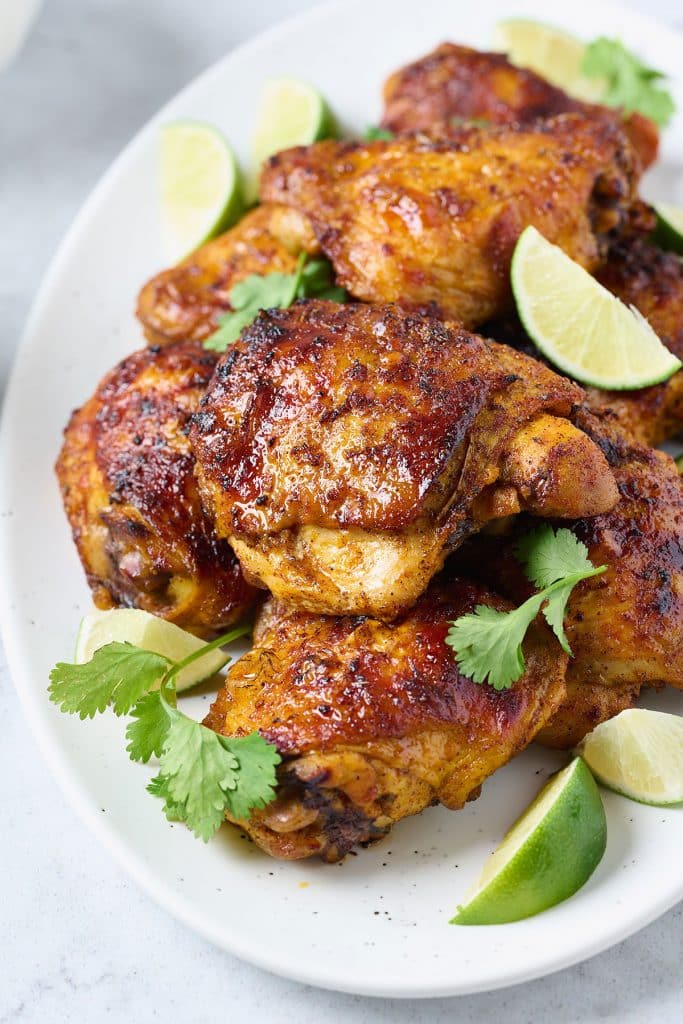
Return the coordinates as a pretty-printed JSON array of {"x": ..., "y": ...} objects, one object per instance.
[{"x": 31, "y": 699}]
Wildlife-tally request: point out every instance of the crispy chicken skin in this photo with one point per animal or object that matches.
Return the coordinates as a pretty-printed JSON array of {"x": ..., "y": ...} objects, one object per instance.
[
  {"x": 434, "y": 222},
  {"x": 625, "y": 627},
  {"x": 344, "y": 450},
  {"x": 126, "y": 475},
  {"x": 374, "y": 722},
  {"x": 454, "y": 83},
  {"x": 185, "y": 301}
]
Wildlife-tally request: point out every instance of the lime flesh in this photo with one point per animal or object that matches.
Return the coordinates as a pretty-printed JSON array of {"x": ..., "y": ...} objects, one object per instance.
[
  {"x": 201, "y": 191},
  {"x": 669, "y": 231},
  {"x": 292, "y": 113},
  {"x": 639, "y": 754},
  {"x": 551, "y": 53},
  {"x": 133, "y": 626},
  {"x": 547, "y": 855},
  {"x": 581, "y": 327}
]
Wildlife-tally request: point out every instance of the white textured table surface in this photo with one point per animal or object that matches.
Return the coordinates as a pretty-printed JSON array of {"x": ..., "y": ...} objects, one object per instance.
[{"x": 78, "y": 941}]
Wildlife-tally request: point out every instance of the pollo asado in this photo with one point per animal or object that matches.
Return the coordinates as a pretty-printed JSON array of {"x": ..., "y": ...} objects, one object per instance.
[
  {"x": 126, "y": 474},
  {"x": 185, "y": 301},
  {"x": 434, "y": 222},
  {"x": 454, "y": 83},
  {"x": 344, "y": 450},
  {"x": 374, "y": 722},
  {"x": 625, "y": 627}
]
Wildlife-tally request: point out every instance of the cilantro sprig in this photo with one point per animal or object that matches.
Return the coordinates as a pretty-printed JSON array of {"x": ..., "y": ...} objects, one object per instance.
[
  {"x": 312, "y": 279},
  {"x": 488, "y": 642},
  {"x": 373, "y": 133},
  {"x": 630, "y": 83},
  {"x": 202, "y": 774}
]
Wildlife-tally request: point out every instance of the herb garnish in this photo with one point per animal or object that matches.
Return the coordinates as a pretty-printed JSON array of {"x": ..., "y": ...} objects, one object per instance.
[
  {"x": 373, "y": 133},
  {"x": 631, "y": 84},
  {"x": 312, "y": 279},
  {"x": 202, "y": 774},
  {"x": 488, "y": 642}
]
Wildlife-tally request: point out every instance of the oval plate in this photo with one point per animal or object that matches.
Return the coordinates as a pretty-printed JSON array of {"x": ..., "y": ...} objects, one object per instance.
[{"x": 378, "y": 923}]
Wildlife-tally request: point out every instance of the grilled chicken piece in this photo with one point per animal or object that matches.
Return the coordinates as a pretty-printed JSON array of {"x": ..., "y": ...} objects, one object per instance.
[
  {"x": 641, "y": 275},
  {"x": 625, "y": 628},
  {"x": 126, "y": 474},
  {"x": 344, "y": 450},
  {"x": 434, "y": 222},
  {"x": 375, "y": 722},
  {"x": 185, "y": 301},
  {"x": 454, "y": 83}
]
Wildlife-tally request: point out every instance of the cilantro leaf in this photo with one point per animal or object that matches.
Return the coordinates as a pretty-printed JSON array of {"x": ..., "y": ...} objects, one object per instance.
[
  {"x": 488, "y": 642},
  {"x": 117, "y": 674},
  {"x": 273, "y": 291},
  {"x": 158, "y": 786},
  {"x": 148, "y": 730},
  {"x": 373, "y": 133},
  {"x": 551, "y": 556},
  {"x": 630, "y": 83},
  {"x": 206, "y": 774}
]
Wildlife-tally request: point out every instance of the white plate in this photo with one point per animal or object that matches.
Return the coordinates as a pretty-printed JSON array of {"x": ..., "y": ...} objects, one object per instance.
[{"x": 376, "y": 924}]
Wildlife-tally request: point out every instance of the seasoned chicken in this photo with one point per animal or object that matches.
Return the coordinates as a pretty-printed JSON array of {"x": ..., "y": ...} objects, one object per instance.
[
  {"x": 641, "y": 275},
  {"x": 126, "y": 474},
  {"x": 344, "y": 450},
  {"x": 434, "y": 222},
  {"x": 375, "y": 722},
  {"x": 185, "y": 301},
  {"x": 454, "y": 83},
  {"x": 625, "y": 627}
]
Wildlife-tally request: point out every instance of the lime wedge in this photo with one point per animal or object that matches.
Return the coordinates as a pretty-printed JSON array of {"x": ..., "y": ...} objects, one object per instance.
[
  {"x": 201, "y": 192},
  {"x": 669, "y": 231},
  {"x": 639, "y": 754},
  {"x": 133, "y": 626},
  {"x": 547, "y": 855},
  {"x": 551, "y": 53},
  {"x": 291, "y": 113},
  {"x": 581, "y": 327}
]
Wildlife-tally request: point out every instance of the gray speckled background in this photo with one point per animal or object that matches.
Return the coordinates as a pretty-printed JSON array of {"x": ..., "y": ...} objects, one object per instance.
[{"x": 79, "y": 941}]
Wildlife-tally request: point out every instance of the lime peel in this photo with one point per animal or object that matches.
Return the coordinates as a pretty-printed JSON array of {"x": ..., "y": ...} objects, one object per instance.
[
  {"x": 579, "y": 326},
  {"x": 548, "y": 854}
]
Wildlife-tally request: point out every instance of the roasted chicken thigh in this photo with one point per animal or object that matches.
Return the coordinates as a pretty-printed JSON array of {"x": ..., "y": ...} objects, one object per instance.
[
  {"x": 344, "y": 450},
  {"x": 374, "y": 722},
  {"x": 126, "y": 474},
  {"x": 433, "y": 223},
  {"x": 454, "y": 83}
]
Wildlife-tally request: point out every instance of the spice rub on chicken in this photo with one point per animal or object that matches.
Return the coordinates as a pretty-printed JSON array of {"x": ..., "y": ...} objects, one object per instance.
[
  {"x": 453, "y": 83},
  {"x": 129, "y": 491},
  {"x": 375, "y": 722},
  {"x": 429, "y": 222},
  {"x": 345, "y": 450}
]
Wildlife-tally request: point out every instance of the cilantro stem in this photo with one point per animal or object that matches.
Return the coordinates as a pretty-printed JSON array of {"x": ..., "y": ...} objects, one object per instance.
[{"x": 227, "y": 638}]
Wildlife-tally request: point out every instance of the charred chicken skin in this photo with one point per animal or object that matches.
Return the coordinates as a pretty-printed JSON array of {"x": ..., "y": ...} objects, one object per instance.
[
  {"x": 625, "y": 627},
  {"x": 454, "y": 83},
  {"x": 374, "y": 722},
  {"x": 345, "y": 450},
  {"x": 433, "y": 223},
  {"x": 185, "y": 301},
  {"x": 127, "y": 481}
]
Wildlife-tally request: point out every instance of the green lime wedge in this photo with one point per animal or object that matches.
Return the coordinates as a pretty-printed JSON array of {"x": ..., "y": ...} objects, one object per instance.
[
  {"x": 639, "y": 754},
  {"x": 133, "y": 626},
  {"x": 669, "y": 231},
  {"x": 291, "y": 113},
  {"x": 581, "y": 327},
  {"x": 555, "y": 55},
  {"x": 547, "y": 855},
  {"x": 201, "y": 191}
]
